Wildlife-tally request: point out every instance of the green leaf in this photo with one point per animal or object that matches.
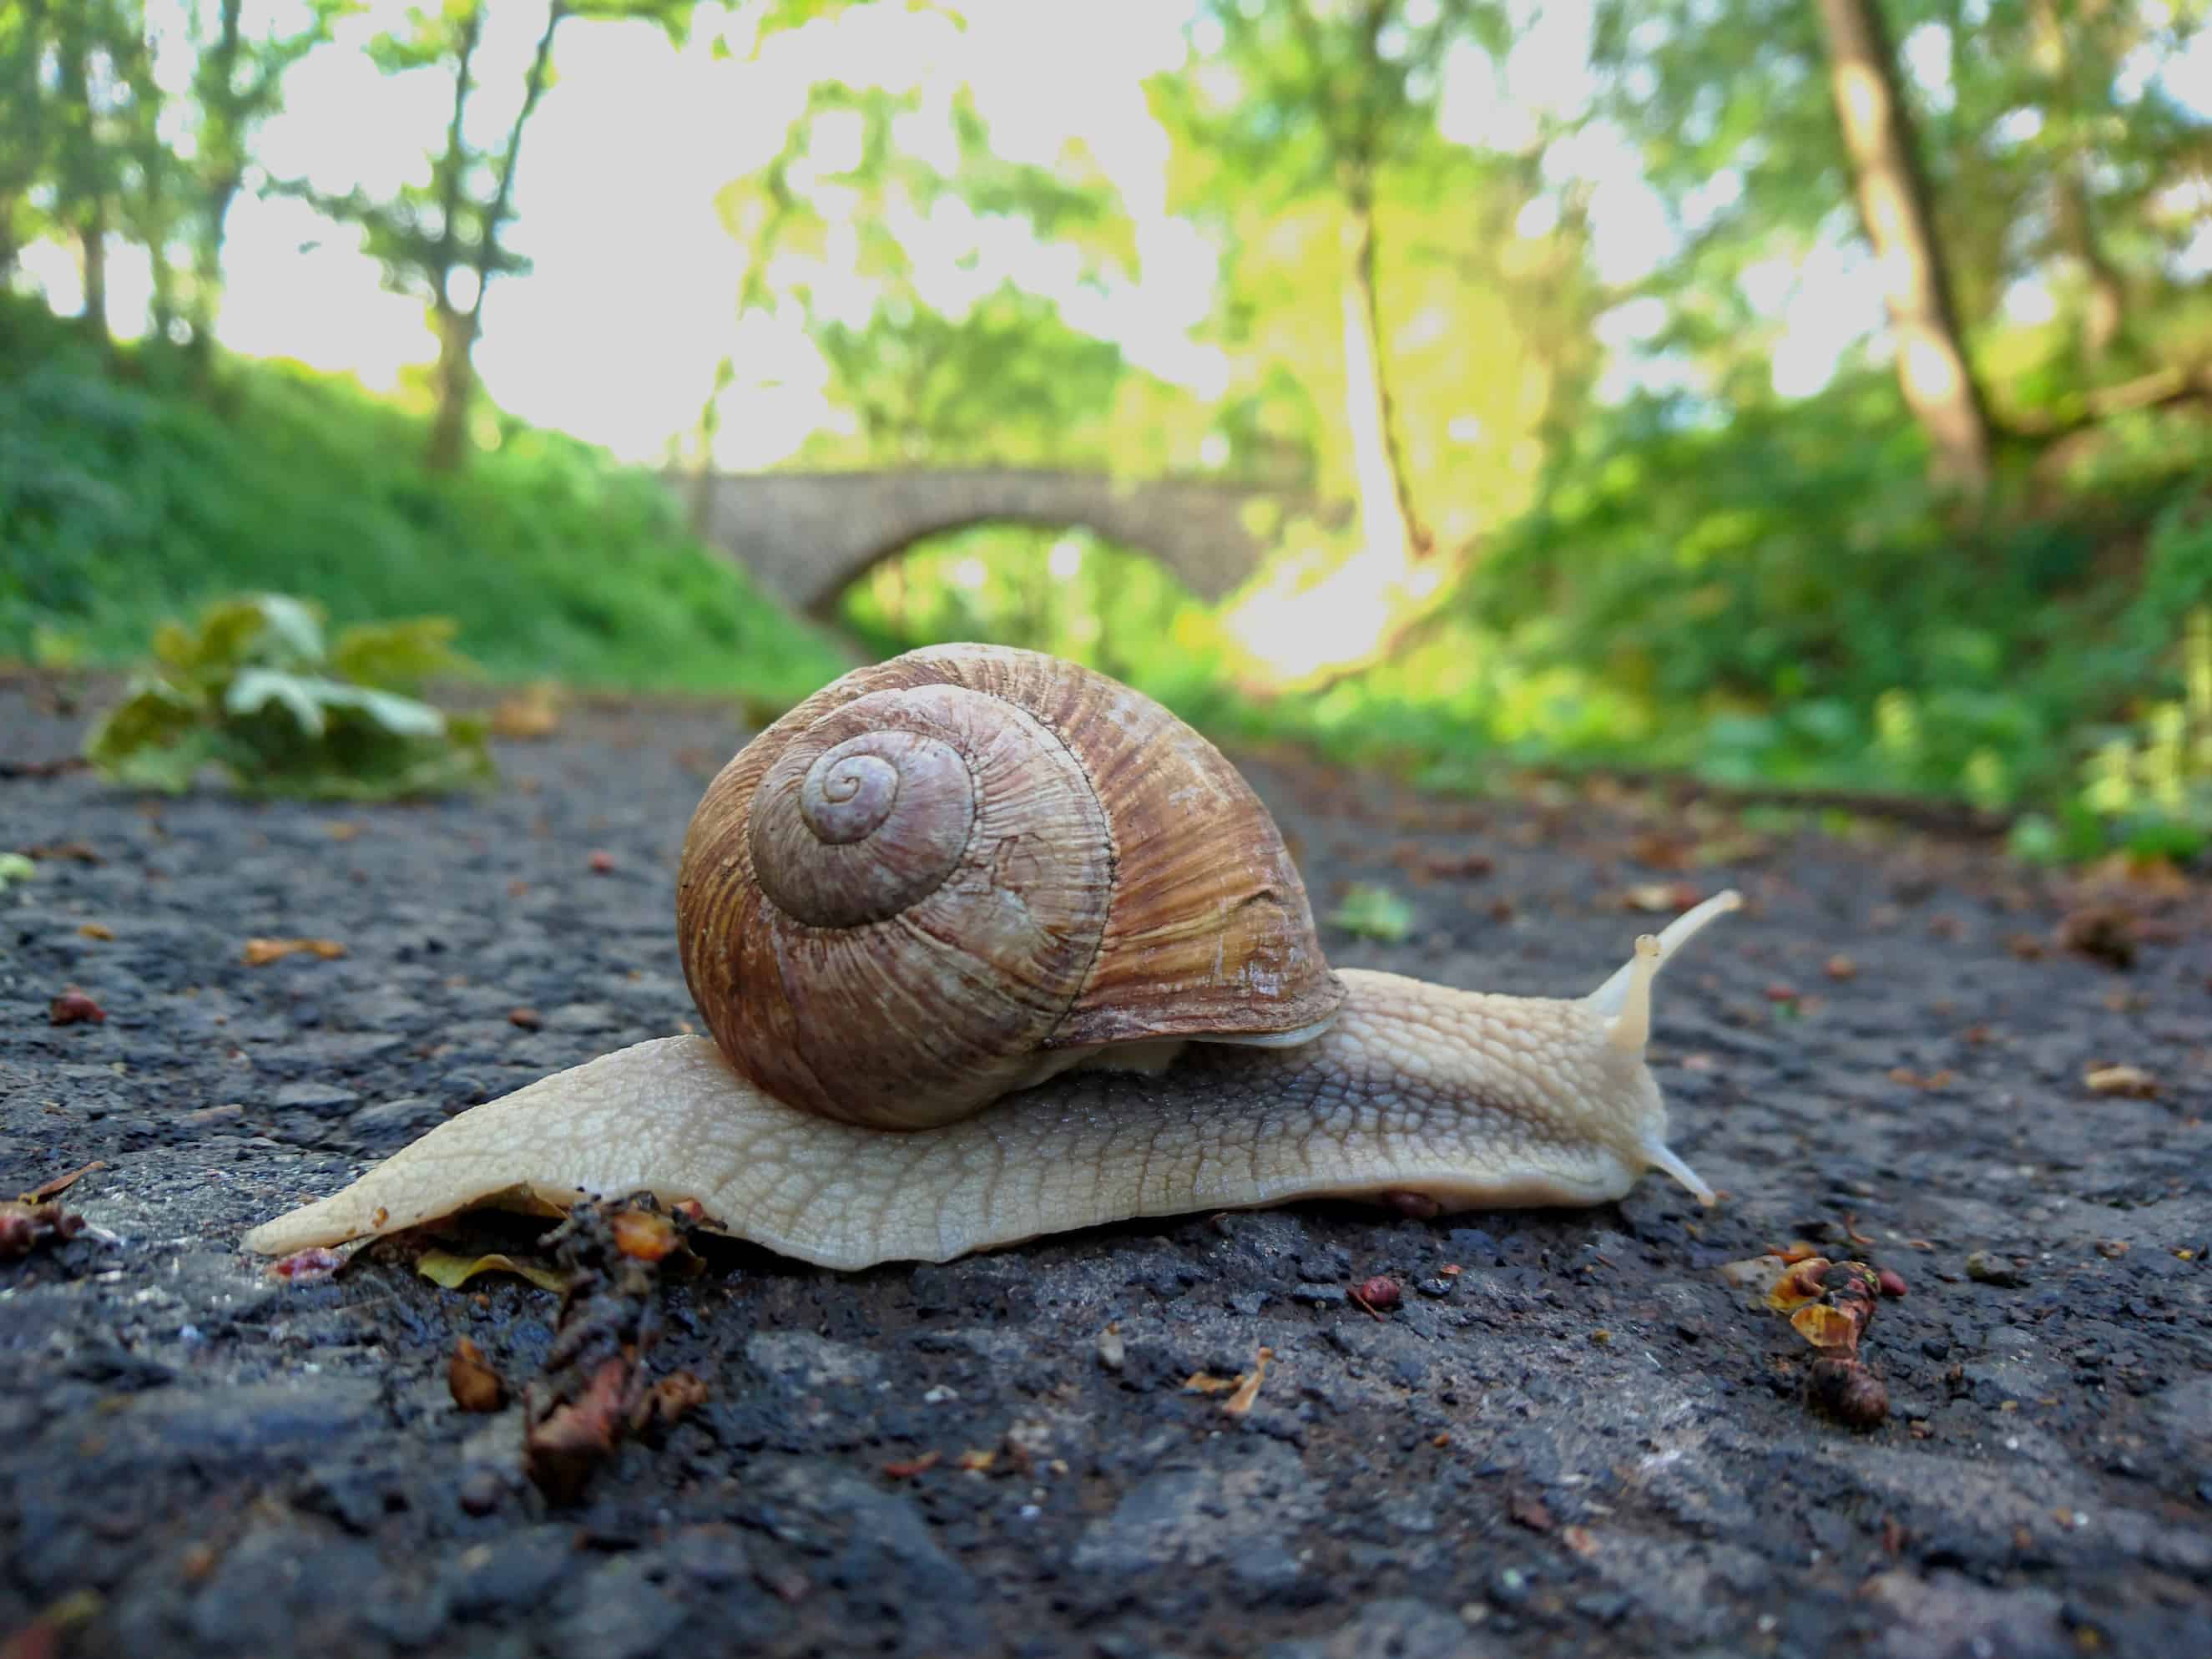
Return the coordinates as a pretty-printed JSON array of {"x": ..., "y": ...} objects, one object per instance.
[
  {"x": 1376, "y": 913},
  {"x": 398, "y": 656},
  {"x": 15, "y": 867},
  {"x": 153, "y": 738},
  {"x": 257, "y": 688}
]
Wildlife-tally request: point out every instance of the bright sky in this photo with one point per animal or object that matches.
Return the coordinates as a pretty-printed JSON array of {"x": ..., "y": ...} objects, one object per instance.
[{"x": 615, "y": 334}]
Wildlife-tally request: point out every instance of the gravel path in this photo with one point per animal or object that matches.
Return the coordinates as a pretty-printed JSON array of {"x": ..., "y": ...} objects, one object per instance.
[{"x": 1584, "y": 1442}]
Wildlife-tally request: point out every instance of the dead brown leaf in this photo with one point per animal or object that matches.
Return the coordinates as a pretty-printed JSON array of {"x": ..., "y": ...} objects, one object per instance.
[
  {"x": 476, "y": 1387},
  {"x": 527, "y": 715}
]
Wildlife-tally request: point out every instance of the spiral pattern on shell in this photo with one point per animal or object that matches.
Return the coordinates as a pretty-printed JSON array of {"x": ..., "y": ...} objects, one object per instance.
[{"x": 945, "y": 877}]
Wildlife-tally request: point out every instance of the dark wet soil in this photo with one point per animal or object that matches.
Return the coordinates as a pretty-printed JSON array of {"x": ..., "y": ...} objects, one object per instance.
[{"x": 1584, "y": 1442}]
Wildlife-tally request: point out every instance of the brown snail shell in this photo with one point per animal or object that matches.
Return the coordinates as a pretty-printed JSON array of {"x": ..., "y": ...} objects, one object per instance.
[{"x": 948, "y": 876}]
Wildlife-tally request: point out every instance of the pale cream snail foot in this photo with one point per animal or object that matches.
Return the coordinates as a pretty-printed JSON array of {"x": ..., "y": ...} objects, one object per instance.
[{"x": 1426, "y": 1099}]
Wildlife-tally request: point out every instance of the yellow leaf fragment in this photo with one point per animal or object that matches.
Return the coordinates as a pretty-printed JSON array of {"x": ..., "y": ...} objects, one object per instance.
[
  {"x": 2130, "y": 1080},
  {"x": 452, "y": 1270},
  {"x": 259, "y": 952},
  {"x": 1825, "y": 1326},
  {"x": 1247, "y": 1386}
]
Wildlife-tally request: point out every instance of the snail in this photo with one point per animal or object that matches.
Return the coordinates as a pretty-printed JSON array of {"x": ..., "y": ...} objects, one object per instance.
[{"x": 993, "y": 946}]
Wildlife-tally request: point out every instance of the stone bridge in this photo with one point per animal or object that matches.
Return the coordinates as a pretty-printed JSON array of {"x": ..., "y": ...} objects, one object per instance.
[{"x": 807, "y": 536}]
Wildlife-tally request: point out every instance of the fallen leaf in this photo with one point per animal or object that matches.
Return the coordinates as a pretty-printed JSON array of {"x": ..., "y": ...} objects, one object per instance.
[
  {"x": 2130, "y": 1080},
  {"x": 1581, "y": 1539},
  {"x": 670, "y": 1400},
  {"x": 908, "y": 1467},
  {"x": 1840, "y": 966},
  {"x": 1248, "y": 1387},
  {"x": 75, "y": 852},
  {"x": 1825, "y": 1326},
  {"x": 1527, "y": 1509},
  {"x": 24, "y": 1227},
  {"x": 1207, "y": 1382},
  {"x": 259, "y": 952},
  {"x": 476, "y": 1387},
  {"x": 446, "y": 1268},
  {"x": 977, "y": 1460},
  {"x": 99, "y": 930},
  {"x": 532, "y": 713},
  {"x": 62, "y": 1183},
  {"x": 1111, "y": 1349}
]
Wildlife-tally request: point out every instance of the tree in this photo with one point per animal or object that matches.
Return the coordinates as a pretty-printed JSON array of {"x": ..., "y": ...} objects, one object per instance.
[
  {"x": 442, "y": 241},
  {"x": 1002, "y": 373},
  {"x": 238, "y": 82},
  {"x": 25, "y": 122},
  {"x": 1938, "y": 382},
  {"x": 1321, "y": 99}
]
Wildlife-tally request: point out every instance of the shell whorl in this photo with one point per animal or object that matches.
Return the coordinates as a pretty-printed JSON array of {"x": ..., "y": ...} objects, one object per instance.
[{"x": 927, "y": 883}]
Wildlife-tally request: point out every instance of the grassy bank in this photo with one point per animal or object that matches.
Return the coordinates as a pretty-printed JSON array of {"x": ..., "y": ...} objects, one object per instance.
[{"x": 127, "y": 496}]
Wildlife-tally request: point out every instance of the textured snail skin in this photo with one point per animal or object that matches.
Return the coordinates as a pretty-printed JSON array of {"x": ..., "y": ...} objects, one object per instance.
[{"x": 1470, "y": 1099}]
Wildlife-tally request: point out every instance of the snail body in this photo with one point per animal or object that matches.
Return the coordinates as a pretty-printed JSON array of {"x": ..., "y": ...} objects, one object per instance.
[{"x": 992, "y": 947}]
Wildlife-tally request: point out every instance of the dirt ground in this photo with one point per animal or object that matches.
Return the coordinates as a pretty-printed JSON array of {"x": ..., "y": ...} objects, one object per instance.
[{"x": 1586, "y": 1441}]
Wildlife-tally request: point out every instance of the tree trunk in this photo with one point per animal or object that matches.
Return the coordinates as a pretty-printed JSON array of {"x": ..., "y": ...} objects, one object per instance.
[
  {"x": 702, "y": 446},
  {"x": 222, "y": 187},
  {"x": 92, "y": 240},
  {"x": 1360, "y": 275},
  {"x": 455, "y": 378},
  {"x": 81, "y": 193},
  {"x": 2106, "y": 307},
  {"x": 1938, "y": 384},
  {"x": 455, "y": 387}
]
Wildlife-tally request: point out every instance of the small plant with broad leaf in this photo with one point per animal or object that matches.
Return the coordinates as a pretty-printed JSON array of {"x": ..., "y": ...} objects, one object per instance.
[{"x": 260, "y": 690}]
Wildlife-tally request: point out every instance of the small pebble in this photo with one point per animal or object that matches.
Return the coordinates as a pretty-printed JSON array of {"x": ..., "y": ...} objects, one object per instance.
[
  {"x": 1987, "y": 1268},
  {"x": 480, "y": 1491}
]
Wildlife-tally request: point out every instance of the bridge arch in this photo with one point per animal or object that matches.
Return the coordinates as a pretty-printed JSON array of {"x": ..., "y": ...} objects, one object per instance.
[{"x": 807, "y": 537}]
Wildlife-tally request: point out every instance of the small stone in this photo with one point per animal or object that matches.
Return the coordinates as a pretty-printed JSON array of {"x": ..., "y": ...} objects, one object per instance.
[
  {"x": 481, "y": 1491},
  {"x": 314, "y": 1097},
  {"x": 1434, "y": 1286},
  {"x": 1986, "y": 1268},
  {"x": 1321, "y": 1296}
]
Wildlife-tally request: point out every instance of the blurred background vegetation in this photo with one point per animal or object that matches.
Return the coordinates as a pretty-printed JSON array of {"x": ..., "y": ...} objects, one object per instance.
[{"x": 1797, "y": 396}]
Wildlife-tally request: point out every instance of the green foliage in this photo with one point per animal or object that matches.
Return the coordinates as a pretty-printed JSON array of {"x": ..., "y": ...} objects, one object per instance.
[
  {"x": 255, "y": 690},
  {"x": 1372, "y": 912},
  {"x": 124, "y": 503}
]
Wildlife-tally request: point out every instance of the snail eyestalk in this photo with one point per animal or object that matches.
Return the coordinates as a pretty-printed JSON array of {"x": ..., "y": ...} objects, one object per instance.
[{"x": 1626, "y": 997}]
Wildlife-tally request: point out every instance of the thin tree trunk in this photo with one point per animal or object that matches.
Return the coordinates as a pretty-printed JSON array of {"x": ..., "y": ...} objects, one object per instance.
[
  {"x": 222, "y": 187},
  {"x": 82, "y": 192},
  {"x": 2105, "y": 309},
  {"x": 455, "y": 387},
  {"x": 454, "y": 379},
  {"x": 92, "y": 241},
  {"x": 702, "y": 456},
  {"x": 1360, "y": 197},
  {"x": 1932, "y": 369}
]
